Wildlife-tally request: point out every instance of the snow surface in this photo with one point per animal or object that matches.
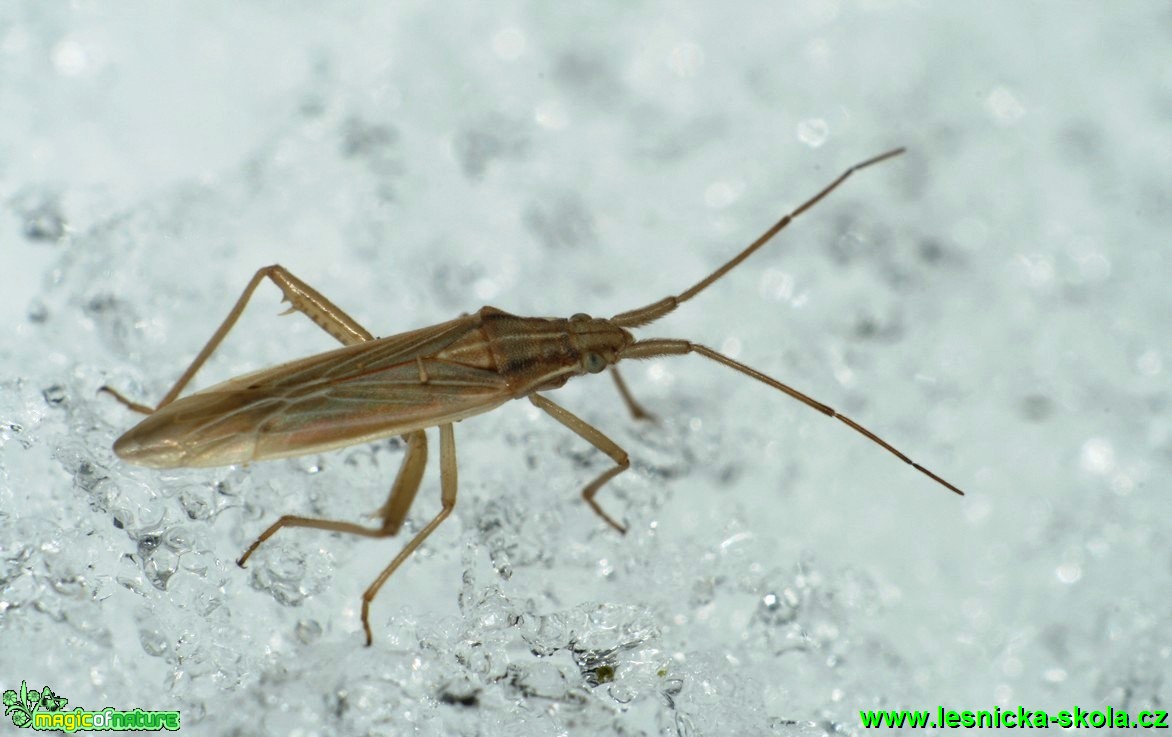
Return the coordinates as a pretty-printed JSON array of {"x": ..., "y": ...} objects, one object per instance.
[{"x": 995, "y": 303}]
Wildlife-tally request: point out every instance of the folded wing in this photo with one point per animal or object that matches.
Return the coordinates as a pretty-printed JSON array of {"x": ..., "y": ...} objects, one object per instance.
[{"x": 354, "y": 394}]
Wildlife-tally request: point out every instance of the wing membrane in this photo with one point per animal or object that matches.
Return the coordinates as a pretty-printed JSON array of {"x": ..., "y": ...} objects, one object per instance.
[
  {"x": 357, "y": 393},
  {"x": 356, "y": 359}
]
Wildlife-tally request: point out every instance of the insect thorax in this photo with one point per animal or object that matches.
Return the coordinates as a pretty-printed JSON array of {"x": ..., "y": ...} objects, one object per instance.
[{"x": 534, "y": 353}]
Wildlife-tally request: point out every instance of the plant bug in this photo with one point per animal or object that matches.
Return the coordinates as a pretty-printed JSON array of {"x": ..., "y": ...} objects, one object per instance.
[{"x": 373, "y": 388}]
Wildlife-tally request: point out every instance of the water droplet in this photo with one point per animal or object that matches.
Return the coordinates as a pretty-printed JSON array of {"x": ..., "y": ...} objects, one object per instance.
[
  {"x": 308, "y": 630},
  {"x": 160, "y": 567},
  {"x": 147, "y": 544},
  {"x": 1098, "y": 455},
  {"x": 70, "y": 57},
  {"x": 721, "y": 194},
  {"x": 776, "y": 609},
  {"x": 178, "y": 539},
  {"x": 1038, "y": 268},
  {"x": 1004, "y": 106},
  {"x": 1068, "y": 572},
  {"x": 485, "y": 288},
  {"x": 153, "y": 642},
  {"x": 195, "y": 505},
  {"x": 813, "y": 132},
  {"x": 54, "y": 395}
]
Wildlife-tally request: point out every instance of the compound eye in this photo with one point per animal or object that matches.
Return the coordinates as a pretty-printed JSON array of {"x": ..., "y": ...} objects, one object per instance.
[
  {"x": 594, "y": 362},
  {"x": 579, "y": 316}
]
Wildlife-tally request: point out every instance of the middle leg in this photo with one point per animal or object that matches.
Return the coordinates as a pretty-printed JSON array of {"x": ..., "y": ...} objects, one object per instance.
[
  {"x": 392, "y": 512},
  {"x": 637, "y": 411}
]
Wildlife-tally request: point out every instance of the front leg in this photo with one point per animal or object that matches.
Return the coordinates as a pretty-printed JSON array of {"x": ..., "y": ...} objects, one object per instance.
[{"x": 594, "y": 436}]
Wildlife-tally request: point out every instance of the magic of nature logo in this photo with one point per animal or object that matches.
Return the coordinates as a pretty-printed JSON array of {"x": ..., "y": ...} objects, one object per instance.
[{"x": 45, "y": 710}]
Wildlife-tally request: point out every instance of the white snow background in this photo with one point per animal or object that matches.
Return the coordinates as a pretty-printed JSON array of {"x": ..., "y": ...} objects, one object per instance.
[{"x": 995, "y": 303}]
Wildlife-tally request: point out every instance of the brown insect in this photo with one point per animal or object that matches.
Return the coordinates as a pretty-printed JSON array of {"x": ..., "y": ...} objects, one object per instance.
[{"x": 374, "y": 388}]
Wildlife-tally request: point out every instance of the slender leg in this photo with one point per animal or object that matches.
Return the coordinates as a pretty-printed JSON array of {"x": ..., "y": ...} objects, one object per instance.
[
  {"x": 301, "y": 297},
  {"x": 591, "y": 435},
  {"x": 130, "y": 404},
  {"x": 447, "y": 500},
  {"x": 406, "y": 483},
  {"x": 634, "y": 407},
  {"x": 392, "y": 513}
]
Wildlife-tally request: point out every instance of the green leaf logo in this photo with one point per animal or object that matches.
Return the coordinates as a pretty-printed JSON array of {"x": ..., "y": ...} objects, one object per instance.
[{"x": 22, "y": 706}]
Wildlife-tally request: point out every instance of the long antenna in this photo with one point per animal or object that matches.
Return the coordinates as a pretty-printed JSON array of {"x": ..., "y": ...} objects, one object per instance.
[
  {"x": 670, "y": 347},
  {"x": 656, "y": 310}
]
